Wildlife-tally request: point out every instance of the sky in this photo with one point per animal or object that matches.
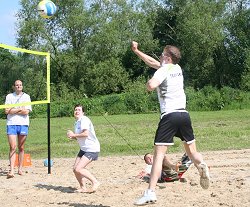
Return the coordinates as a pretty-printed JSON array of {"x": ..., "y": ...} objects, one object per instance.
[{"x": 8, "y": 9}]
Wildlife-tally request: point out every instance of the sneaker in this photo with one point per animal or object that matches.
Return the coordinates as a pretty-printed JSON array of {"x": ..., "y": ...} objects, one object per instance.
[
  {"x": 185, "y": 163},
  {"x": 204, "y": 175},
  {"x": 149, "y": 197}
]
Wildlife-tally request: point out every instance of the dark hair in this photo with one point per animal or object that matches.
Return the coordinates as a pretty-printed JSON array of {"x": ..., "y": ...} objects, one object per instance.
[
  {"x": 79, "y": 105},
  {"x": 16, "y": 81},
  {"x": 145, "y": 156},
  {"x": 174, "y": 53}
]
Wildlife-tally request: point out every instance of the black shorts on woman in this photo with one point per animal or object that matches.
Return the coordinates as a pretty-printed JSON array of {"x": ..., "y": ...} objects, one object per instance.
[{"x": 89, "y": 155}]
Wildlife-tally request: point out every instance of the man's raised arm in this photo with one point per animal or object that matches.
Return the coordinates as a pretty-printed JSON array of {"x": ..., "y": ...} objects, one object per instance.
[{"x": 151, "y": 62}]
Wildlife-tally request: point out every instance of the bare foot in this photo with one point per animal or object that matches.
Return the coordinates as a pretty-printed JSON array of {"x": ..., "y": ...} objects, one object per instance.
[
  {"x": 20, "y": 172},
  {"x": 10, "y": 175},
  {"x": 95, "y": 186}
]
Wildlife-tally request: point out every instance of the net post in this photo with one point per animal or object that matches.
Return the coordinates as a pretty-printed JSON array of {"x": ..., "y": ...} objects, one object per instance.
[{"x": 48, "y": 129}]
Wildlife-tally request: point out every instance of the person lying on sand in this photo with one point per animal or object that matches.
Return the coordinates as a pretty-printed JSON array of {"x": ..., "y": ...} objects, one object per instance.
[{"x": 170, "y": 172}]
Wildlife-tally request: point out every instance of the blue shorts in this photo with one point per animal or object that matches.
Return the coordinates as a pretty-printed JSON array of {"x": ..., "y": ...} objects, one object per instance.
[
  {"x": 17, "y": 129},
  {"x": 89, "y": 155}
]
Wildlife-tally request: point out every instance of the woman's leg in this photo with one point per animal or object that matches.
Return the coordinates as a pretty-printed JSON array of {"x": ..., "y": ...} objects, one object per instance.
[
  {"x": 81, "y": 172},
  {"x": 21, "y": 141},
  {"x": 12, "y": 154}
]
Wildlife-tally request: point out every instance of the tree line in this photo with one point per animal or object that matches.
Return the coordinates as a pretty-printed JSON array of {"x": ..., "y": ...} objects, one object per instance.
[{"x": 89, "y": 42}]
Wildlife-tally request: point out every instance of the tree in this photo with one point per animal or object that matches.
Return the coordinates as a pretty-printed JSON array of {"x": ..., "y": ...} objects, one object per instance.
[
  {"x": 84, "y": 35},
  {"x": 106, "y": 77},
  {"x": 7, "y": 75},
  {"x": 200, "y": 29},
  {"x": 237, "y": 45},
  {"x": 28, "y": 68},
  {"x": 212, "y": 36}
]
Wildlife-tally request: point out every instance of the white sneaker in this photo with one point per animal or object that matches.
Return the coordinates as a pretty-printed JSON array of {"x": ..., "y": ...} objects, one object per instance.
[
  {"x": 204, "y": 175},
  {"x": 149, "y": 197}
]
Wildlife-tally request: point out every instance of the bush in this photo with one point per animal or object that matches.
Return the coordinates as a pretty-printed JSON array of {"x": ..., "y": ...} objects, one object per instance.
[
  {"x": 114, "y": 104},
  {"x": 210, "y": 98},
  {"x": 137, "y": 100}
]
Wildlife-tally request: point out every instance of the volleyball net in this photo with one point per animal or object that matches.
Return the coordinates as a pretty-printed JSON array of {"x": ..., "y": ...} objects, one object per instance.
[{"x": 32, "y": 67}]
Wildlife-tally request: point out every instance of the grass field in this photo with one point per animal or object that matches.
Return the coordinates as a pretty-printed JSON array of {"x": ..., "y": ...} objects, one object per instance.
[{"x": 134, "y": 134}]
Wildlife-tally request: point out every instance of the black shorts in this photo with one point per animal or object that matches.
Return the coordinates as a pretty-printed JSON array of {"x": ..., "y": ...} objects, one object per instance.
[
  {"x": 174, "y": 124},
  {"x": 89, "y": 155}
]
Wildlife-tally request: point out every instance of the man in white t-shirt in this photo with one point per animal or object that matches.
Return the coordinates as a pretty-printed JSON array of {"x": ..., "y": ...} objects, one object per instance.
[
  {"x": 175, "y": 120},
  {"x": 17, "y": 125},
  {"x": 89, "y": 149}
]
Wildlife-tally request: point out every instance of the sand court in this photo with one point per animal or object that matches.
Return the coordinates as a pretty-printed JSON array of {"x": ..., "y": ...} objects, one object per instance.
[{"x": 230, "y": 174}]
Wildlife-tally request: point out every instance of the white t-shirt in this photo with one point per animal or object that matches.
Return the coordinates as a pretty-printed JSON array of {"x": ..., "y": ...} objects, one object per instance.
[
  {"x": 18, "y": 119},
  {"x": 148, "y": 169},
  {"x": 90, "y": 143},
  {"x": 170, "y": 92}
]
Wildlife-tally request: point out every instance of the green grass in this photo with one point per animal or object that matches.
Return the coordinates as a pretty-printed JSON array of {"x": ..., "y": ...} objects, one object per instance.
[{"x": 134, "y": 134}]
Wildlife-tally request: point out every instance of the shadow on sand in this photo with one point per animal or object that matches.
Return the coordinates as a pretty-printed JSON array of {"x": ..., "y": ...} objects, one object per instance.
[
  {"x": 66, "y": 190},
  {"x": 56, "y": 188},
  {"x": 80, "y": 205}
]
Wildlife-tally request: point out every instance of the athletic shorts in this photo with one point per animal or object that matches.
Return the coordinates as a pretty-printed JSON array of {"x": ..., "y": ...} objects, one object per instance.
[
  {"x": 17, "y": 129},
  {"x": 174, "y": 124},
  {"x": 89, "y": 155}
]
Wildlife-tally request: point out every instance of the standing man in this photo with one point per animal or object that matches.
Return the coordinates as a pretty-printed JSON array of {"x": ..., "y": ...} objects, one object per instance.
[
  {"x": 17, "y": 125},
  {"x": 175, "y": 120}
]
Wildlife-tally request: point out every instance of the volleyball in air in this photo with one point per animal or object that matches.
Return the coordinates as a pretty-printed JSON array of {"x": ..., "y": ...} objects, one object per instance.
[{"x": 46, "y": 9}]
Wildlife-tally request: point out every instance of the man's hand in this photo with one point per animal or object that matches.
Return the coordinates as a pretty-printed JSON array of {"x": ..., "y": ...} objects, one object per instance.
[
  {"x": 151, "y": 62},
  {"x": 134, "y": 46}
]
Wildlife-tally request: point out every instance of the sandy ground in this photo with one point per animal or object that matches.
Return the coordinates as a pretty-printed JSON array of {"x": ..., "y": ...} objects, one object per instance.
[{"x": 230, "y": 185}]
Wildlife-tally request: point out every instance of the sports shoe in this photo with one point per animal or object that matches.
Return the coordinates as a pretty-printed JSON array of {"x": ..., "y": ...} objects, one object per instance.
[
  {"x": 204, "y": 175},
  {"x": 149, "y": 197},
  {"x": 185, "y": 163}
]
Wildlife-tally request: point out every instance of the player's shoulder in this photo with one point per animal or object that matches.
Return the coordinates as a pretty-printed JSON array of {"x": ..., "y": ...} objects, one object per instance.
[
  {"x": 169, "y": 68},
  {"x": 25, "y": 94},
  {"x": 85, "y": 118},
  {"x": 10, "y": 95}
]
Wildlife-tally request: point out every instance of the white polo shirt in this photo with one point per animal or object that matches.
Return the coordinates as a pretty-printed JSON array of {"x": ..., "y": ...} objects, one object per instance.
[{"x": 18, "y": 119}]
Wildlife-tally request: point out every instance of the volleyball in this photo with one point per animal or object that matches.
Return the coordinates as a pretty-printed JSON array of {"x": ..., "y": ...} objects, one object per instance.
[{"x": 46, "y": 9}]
